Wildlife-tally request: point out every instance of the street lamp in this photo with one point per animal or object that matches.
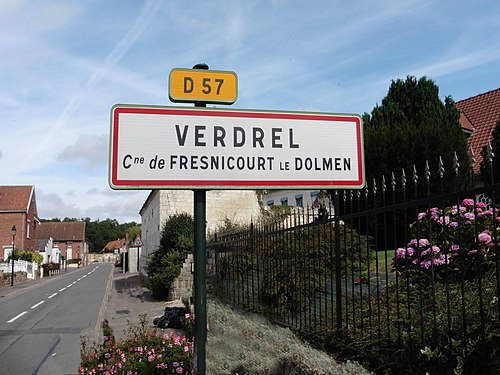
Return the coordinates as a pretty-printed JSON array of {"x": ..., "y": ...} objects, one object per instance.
[{"x": 13, "y": 232}]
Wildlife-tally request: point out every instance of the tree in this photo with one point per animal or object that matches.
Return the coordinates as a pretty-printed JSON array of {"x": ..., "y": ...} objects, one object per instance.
[
  {"x": 486, "y": 168},
  {"x": 413, "y": 126},
  {"x": 165, "y": 263},
  {"x": 133, "y": 232}
]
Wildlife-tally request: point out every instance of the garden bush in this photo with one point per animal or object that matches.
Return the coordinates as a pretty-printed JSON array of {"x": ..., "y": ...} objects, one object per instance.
[
  {"x": 144, "y": 351},
  {"x": 165, "y": 263},
  {"x": 453, "y": 243}
]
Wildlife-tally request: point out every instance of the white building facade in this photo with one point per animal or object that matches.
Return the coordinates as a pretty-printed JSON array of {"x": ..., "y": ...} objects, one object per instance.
[{"x": 237, "y": 206}]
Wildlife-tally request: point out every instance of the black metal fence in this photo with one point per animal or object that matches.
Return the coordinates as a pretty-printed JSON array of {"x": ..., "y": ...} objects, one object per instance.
[{"x": 406, "y": 280}]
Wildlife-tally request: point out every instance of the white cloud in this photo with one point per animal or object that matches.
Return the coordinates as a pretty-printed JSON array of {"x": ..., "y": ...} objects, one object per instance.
[{"x": 89, "y": 149}]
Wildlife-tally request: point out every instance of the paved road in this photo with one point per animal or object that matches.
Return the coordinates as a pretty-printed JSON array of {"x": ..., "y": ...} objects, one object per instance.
[{"x": 41, "y": 321}]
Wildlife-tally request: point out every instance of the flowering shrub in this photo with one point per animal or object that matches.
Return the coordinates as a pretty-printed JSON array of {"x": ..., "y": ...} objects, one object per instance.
[
  {"x": 459, "y": 237},
  {"x": 144, "y": 351},
  {"x": 189, "y": 326}
]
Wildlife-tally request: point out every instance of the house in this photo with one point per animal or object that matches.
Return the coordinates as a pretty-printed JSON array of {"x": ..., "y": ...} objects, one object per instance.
[
  {"x": 297, "y": 198},
  {"x": 479, "y": 116},
  {"x": 50, "y": 253},
  {"x": 18, "y": 208},
  {"x": 68, "y": 238},
  {"x": 237, "y": 206},
  {"x": 116, "y": 246}
]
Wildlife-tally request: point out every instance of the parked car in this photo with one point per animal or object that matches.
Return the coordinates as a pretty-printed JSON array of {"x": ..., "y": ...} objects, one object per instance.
[{"x": 118, "y": 263}]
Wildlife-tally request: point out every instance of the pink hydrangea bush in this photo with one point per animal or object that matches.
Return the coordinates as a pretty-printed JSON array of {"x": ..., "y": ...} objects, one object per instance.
[
  {"x": 456, "y": 241},
  {"x": 150, "y": 351}
]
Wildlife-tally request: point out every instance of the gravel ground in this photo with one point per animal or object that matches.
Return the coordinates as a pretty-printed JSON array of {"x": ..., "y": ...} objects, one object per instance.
[{"x": 249, "y": 343}]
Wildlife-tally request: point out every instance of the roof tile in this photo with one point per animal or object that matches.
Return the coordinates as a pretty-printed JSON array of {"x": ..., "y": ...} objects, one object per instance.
[
  {"x": 483, "y": 112},
  {"x": 15, "y": 198}
]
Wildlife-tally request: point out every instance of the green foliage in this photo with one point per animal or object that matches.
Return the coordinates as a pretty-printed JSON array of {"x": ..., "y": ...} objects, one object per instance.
[
  {"x": 293, "y": 266},
  {"x": 301, "y": 264},
  {"x": 133, "y": 231},
  {"x": 177, "y": 234},
  {"x": 276, "y": 214},
  {"x": 163, "y": 269},
  {"x": 28, "y": 256},
  {"x": 164, "y": 264},
  {"x": 413, "y": 126},
  {"x": 144, "y": 351},
  {"x": 491, "y": 173}
]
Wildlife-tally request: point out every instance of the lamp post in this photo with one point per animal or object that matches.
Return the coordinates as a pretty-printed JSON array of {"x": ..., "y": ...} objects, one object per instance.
[{"x": 13, "y": 232}]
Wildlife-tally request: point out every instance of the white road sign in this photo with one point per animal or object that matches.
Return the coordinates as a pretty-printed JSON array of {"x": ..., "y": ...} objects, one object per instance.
[{"x": 205, "y": 148}]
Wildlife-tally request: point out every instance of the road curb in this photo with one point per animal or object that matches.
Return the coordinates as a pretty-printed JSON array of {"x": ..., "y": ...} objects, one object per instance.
[{"x": 102, "y": 310}]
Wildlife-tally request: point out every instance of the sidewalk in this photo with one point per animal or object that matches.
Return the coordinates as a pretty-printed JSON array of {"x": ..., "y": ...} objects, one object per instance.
[{"x": 127, "y": 301}]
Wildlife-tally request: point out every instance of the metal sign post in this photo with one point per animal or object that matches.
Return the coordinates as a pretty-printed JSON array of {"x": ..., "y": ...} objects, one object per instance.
[{"x": 200, "y": 272}]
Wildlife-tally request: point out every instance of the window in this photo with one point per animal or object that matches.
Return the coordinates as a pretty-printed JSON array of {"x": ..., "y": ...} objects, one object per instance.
[
  {"x": 284, "y": 201},
  {"x": 28, "y": 227},
  {"x": 270, "y": 202},
  {"x": 314, "y": 194},
  {"x": 299, "y": 200}
]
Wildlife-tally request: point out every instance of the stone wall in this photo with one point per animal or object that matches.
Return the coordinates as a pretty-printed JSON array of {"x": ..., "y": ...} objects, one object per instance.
[
  {"x": 19, "y": 277},
  {"x": 182, "y": 287}
]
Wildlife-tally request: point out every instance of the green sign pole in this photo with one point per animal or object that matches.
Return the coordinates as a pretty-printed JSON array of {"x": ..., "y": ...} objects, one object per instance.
[
  {"x": 200, "y": 302},
  {"x": 200, "y": 271}
]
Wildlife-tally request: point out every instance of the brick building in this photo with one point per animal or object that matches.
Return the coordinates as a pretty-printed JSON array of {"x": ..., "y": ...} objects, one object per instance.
[
  {"x": 68, "y": 237},
  {"x": 18, "y": 208}
]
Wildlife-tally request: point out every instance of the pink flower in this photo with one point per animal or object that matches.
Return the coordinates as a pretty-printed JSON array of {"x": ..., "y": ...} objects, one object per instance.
[
  {"x": 469, "y": 216},
  {"x": 179, "y": 370},
  {"x": 468, "y": 202},
  {"x": 484, "y": 237},
  {"x": 400, "y": 253},
  {"x": 423, "y": 242},
  {"x": 435, "y": 249},
  {"x": 425, "y": 263}
]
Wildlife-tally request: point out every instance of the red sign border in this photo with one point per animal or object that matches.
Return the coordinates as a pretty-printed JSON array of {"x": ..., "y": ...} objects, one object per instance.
[{"x": 116, "y": 183}]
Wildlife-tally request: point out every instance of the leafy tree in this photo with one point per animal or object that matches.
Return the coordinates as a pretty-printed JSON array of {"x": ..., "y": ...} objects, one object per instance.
[
  {"x": 133, "y": 232},
  {"x": 165, "y": 263},
  {"x": 412, "y": 126}
]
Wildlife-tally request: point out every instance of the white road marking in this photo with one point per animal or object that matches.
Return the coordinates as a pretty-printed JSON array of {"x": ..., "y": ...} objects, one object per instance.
[
  {"x": 53, "y": 295},
  {"x": 38, "y": 304},
  {"x": 17, "y": 317}
]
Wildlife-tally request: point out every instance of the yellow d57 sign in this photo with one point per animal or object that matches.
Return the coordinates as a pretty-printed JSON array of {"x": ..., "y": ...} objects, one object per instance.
[{"x": 206, "y": 86}]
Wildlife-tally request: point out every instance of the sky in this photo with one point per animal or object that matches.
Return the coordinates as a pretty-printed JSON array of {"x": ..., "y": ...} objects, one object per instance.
[{"x": 65, "y": 63}]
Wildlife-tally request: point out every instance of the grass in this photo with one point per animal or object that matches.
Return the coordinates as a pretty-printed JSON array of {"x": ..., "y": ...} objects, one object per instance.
[{"x": 382, "y": 268}]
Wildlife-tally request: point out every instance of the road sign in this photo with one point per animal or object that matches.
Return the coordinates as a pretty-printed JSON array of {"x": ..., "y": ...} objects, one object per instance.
[
  {"x": 138, "y": 242},
  {"x": 192, "y": 148},
  {"x": 206, "y": 86}
]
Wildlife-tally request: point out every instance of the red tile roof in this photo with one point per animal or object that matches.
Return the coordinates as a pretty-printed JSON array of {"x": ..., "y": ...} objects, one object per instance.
[
  {"x": 61, "y": 231},
  {"x": 117, "y": 244},
  {"x": 482, "y": 112},
  {"x": 16, "y": 198}
]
